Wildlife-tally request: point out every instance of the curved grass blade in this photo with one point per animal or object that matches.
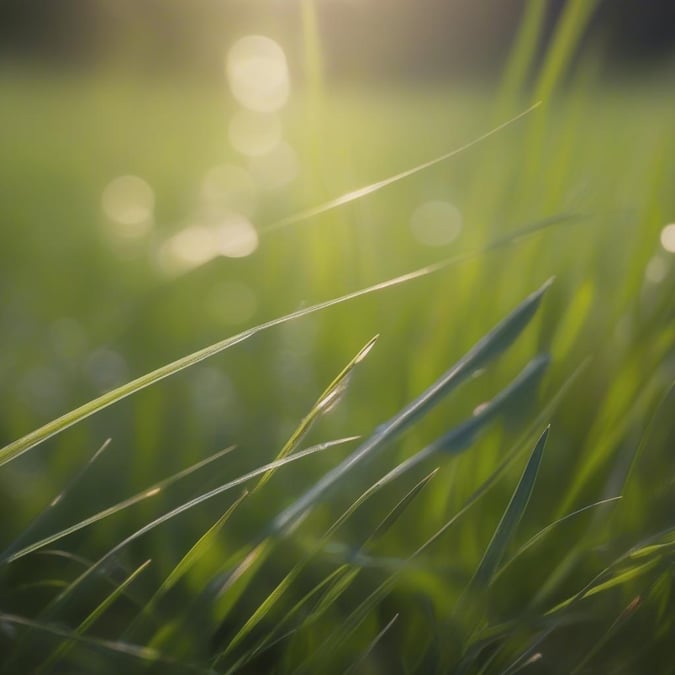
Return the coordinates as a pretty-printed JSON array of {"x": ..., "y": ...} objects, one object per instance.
[
  {"x": 65, "y": 647},
  {"x": 328, "y": 399},
  {"x": 12, "y": 554},
  {"x": 16, "y": 544},
  {"x": 511, "y": 518},
  {"x": 490, "y": 346},
  {"x": 359, "y": 193},
  {"x": 544, "y": 531},
  {"x": 186, "y": 563},
  {"x": 111, "y": 648},
  {"x": 56, "y": 426}
]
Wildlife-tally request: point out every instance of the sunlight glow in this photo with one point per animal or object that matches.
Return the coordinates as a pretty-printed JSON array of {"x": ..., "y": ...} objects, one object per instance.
[
  {"x": 656, "y": 270},
  {"x": 226, "y": 188},
  {"x": 436, "y": 223},
  {"x": 129, "y": 202},
  {"x": 276, "y": 169},
  {"x": 257, "y": 72},
  {"x": 668, "y": 238},
  {"x": 254, "y": 134},
  {"x": 233, "y": 236}
]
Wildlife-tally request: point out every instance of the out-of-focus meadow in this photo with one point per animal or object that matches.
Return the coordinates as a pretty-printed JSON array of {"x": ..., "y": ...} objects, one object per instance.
[{"x": 146, "y": 215}]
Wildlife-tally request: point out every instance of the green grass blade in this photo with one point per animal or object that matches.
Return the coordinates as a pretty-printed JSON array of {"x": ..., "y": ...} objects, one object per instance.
[
  {"x": 112, "y": 648},
  {"x": 511, "y": 518},
  {"x": 546, "y": 530},
  {"x": 56, "y": 426},
  {"x": 328, "y": 399},
  {"x": 359, "y": 193},
  {"x": 186, "y": 563},
  {"x": 18, "y": 542},
  {"x": 65, "y": 647},
  {"x": 490, "y": 346},
  {"x": 12, "y": 554}
]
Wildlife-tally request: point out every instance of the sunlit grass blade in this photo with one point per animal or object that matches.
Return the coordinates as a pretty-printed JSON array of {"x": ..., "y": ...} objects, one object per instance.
[
  {"x": 12, "y": 553},
  {"x": 511, "y": 518},
  {"x": 56, "y": 426},
  {"x": 328, "y": 399},
  {"x": 17, "y": 543},
  {"x": 65, "y": 646},
  {"x": 359, "y": 193},
  {"x": 186, "y": 563},
  {"x": 486, "y": 349}
]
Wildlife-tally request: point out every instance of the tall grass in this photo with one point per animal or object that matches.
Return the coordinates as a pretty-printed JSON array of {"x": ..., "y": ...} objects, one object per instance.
[{"x": 288, "y": 512}]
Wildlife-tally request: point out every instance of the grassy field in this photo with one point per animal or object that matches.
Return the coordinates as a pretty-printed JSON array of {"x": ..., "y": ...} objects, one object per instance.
[{"x": 436, "y": 568}]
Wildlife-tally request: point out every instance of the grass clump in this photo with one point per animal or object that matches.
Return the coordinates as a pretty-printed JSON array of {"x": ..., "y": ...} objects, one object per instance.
[{"x": 252, "y": 511}]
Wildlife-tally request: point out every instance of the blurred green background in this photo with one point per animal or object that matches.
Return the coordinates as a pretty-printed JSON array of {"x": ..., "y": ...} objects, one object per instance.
[{"x": 154, "y": 154}]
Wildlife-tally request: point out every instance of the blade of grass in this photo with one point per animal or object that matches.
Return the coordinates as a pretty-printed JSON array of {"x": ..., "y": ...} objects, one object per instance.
[
  {"x": 359, "y": 193},
  {"x": 109, "y": 647},
  {"x": 16, "y": 544},
  {"x": 544, "y": 531},
  {"x": 11, "y": 553},
  {"x": 511, "y": 518},
  {"x": 328, "y": 399},
  {"x": 186, "y": 563},
  {"x": 56, "y": 426},
  {"x": 65, "y": 646}
]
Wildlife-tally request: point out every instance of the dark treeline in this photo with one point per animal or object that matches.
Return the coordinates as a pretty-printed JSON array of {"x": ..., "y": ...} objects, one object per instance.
[{"x": 359, "y": 38}]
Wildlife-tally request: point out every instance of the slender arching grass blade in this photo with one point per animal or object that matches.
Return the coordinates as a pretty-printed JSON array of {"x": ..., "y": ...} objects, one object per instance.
[
  {"x": 359, "y": 193},
  {"x": 110, "y": 647},
  {"x": 56, "y": 426},
  {"x": 511, "y": 518},
  {"x": 197, "y": 550},
  {"x": 16, "y": 544},
  {"x": 328, "y": 399},
  {"x": 11, "y": 553},
  {"x": 93, "y": 616}
]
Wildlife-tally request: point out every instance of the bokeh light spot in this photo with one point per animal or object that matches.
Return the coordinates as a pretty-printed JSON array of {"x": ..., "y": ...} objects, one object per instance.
[
  {"x": 656, "y": 270},
  {"x": 257, "y": 72},
  {"x": 236, "y": 237},
  {"x": 228, "y": 188},
  {"x": 276, "y": 169},
  {"x": 668, "y": 238},
  {"x": 253, "y": 133},
  {"x": 129, "y": 203},
  {"x": 436, "y": 223}
]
